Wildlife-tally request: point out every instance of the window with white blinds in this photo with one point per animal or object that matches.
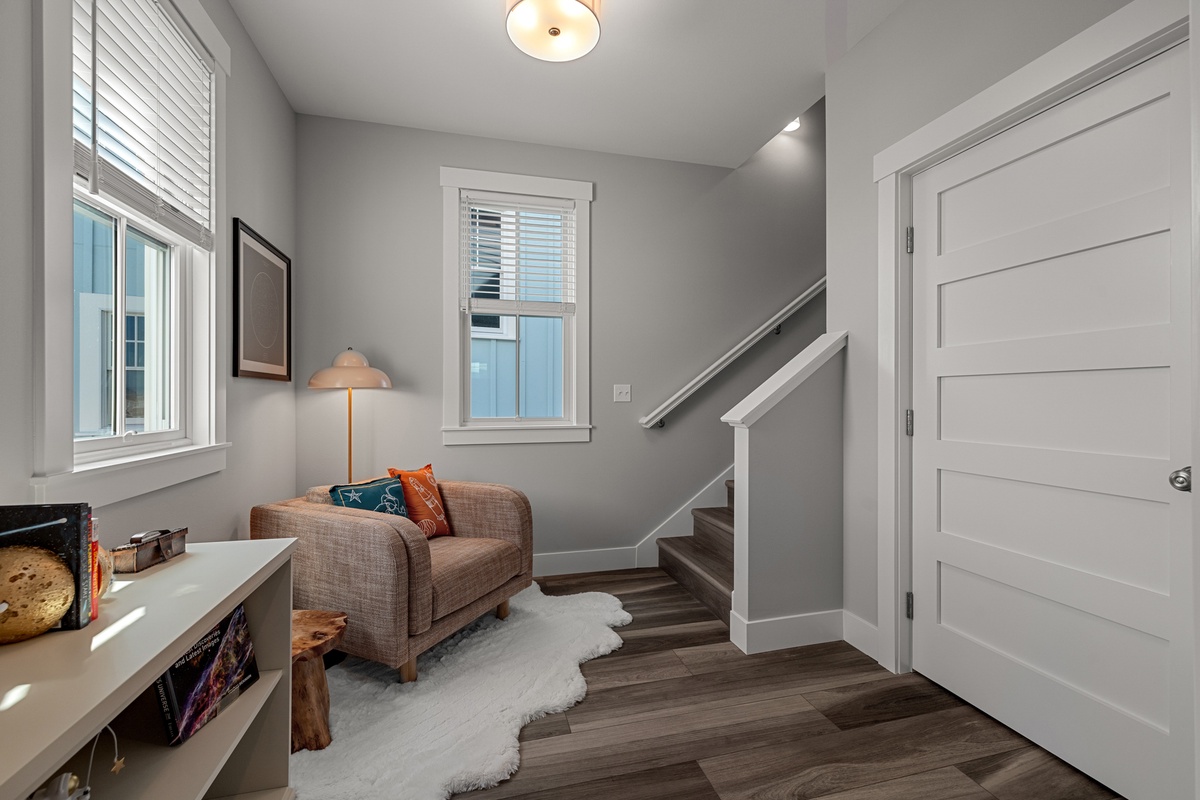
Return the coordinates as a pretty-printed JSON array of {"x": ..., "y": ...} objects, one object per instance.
[
  {"x": 143, "y": 113},
  {"x": 516, "y": 345},
  {"x": 518, "y": 255}
]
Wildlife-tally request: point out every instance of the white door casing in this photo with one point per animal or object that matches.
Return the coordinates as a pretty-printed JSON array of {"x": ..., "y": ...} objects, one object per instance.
[{"x": 1051, "y": 378}]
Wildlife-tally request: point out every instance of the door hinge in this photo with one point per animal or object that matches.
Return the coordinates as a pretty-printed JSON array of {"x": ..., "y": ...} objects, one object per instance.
[
  {"x": 908, "y": 422},
  {"x": 908, "y": 605},
  {"x": 908, "y": 240}
]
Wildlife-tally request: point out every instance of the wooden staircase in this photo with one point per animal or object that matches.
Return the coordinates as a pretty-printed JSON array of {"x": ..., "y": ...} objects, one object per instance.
[{"x": 703, "y": 562}]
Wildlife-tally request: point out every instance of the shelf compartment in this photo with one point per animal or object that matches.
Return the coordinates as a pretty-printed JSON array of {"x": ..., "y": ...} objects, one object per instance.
[{"x": 152, "y": 768}]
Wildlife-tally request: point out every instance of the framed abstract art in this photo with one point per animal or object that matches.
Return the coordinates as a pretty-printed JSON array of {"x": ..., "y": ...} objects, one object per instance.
[{"x": 262, "y": 307}]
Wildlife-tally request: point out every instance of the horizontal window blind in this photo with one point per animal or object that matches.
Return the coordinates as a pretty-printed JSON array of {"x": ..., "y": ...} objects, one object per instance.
[
  {"x": 143, "y": 111},
  {"x": 517, "y": 255}
]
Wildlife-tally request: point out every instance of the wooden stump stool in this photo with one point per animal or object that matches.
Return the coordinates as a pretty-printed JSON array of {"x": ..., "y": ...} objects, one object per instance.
[{"x": 314, "y": 633}]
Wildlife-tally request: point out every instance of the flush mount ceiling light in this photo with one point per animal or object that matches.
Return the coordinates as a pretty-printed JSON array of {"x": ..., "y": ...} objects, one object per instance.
[{"x": 554, "y": 30}]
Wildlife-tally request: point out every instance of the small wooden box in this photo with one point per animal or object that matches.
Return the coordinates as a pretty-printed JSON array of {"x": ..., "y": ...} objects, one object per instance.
[{"x": 149, "y": 548}]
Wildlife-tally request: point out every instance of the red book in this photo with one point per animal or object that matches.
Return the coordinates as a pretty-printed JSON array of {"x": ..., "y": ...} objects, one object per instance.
[{"x": 94, "y": 564}]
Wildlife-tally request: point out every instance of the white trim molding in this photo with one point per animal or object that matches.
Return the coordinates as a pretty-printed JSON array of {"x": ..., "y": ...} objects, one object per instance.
[
  {"x": 1132, "y": 34},
  {"x": 515, "y": 434},
  {"x": 778, "y": 633},
  {"x": 574, "y": 562},
  {"x": 104, "y": 483},
  {"x": 860, "y": 634},
  {"x": 788, "y": 377}
]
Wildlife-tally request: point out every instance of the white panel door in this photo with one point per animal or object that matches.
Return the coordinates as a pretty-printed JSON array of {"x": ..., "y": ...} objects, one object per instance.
[{"x": 1051, "y": 308}]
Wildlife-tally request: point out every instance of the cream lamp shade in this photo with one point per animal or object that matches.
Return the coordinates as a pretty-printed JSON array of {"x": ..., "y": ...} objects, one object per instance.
[
  {"x": 554, "y": 30},
  {"x": 350, "y": 371}
]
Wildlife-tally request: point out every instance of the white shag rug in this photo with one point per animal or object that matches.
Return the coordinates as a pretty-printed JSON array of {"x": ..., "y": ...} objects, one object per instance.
[{"x": 456, "y": 727}]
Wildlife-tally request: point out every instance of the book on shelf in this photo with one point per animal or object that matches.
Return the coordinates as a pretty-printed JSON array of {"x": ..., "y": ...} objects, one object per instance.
[
  {"x": 65, "y": 529},
  {"x": 209, "y": 677}
]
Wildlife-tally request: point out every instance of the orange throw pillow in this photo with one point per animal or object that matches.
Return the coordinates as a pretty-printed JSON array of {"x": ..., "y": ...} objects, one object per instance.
[{"x": 424, "y": 501}]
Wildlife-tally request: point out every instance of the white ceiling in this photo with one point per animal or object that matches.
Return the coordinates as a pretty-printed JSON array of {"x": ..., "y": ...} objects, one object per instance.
[{"x": 701, "y": 81}]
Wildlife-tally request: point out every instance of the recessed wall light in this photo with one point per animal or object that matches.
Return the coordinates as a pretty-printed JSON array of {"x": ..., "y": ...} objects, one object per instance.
[{"x": 794, "y": 125}]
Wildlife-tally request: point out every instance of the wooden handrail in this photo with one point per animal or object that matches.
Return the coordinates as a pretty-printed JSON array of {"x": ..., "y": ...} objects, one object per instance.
[{"x": 656, "y": 416}]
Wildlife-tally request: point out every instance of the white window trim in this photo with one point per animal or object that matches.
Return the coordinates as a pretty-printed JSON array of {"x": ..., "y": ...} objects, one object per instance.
[
  {"x": 56, "y": 475},
  {"x": 575, "y": 426}
]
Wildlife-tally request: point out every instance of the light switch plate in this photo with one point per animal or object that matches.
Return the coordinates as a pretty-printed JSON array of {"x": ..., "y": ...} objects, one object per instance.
[{"x": 622, "y": 393}]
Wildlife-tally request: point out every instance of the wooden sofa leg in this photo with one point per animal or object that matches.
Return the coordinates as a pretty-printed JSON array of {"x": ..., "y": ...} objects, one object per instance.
[
  {"x": 502, "y": 610},
  {"x": 408, "y": 670}
]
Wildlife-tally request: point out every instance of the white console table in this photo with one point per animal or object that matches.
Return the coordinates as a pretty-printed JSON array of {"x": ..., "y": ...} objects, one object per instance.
[{"x": 58, "y": 690}]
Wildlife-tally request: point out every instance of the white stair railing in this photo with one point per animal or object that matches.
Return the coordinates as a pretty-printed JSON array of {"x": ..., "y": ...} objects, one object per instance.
[{"x": 656, "y": 416}]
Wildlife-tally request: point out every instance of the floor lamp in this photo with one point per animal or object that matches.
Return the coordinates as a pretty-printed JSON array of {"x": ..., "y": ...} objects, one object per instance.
[{"x": 350, "y": 371}]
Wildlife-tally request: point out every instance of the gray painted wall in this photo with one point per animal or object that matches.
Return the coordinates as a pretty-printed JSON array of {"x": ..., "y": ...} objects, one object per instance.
[
  {"x": 925, "y": 59},
  {"x": 16, "y": 230},
  {"x": 795, "y": 515},
  {"x": 261, "y": 183},
  {"x": 686, "y": 260}
]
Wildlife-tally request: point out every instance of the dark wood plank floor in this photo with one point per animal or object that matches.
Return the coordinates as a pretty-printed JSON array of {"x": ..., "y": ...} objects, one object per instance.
[{"x": 679, "y": 713}]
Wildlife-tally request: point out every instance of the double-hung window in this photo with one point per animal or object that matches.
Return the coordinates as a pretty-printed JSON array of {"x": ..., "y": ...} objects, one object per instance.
[
  {"x": 142, "y": 107},
  {"x": 516, "y": 267},
  {"x": 141, "y": 381}
]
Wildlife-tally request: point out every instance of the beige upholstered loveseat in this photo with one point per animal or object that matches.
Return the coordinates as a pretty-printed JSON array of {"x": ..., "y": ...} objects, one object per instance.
[{"x": 404, "y": 593}]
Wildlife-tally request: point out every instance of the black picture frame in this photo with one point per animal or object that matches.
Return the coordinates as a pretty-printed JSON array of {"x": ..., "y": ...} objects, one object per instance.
[{"x": 262, "y": 307}]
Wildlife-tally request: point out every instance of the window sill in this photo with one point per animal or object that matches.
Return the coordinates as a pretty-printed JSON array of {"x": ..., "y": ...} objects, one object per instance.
[
  {"x": 105, "y": 482},
  {"x": 516, "y": 434}
]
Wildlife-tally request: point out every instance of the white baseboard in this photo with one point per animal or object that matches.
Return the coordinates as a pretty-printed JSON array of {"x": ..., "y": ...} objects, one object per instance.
[
  {"x": 778, "y": 633},
  {"x": 860, "y": 634},
  {"x": 680, "y": 522},
  {"x": 575, "y": 561}
]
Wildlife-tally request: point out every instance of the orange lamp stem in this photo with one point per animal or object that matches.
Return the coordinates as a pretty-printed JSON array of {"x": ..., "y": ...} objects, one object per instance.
[{"x": 349, "y": 434}]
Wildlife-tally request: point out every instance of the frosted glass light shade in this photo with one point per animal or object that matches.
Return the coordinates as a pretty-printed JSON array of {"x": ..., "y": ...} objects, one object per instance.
[
  {"x": 350, "y": 370},
  {"x": 554, "y": 30}
]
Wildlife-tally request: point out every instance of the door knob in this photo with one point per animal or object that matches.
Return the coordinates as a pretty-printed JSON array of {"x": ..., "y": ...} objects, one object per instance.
[{"x": 1181, "y": 479}]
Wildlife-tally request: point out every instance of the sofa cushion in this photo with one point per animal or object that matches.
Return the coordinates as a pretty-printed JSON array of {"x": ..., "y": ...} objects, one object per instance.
[
  {"x": 384, "y": 495},
  {"x": 463, "y": 570}
]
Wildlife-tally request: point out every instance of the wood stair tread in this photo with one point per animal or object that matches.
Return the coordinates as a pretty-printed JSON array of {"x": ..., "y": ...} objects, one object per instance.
[{"x": 715, "y": 569}]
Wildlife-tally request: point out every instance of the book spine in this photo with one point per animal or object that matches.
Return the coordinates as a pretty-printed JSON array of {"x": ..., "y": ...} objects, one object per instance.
[
  {"x": 94, "y": 565},
  {"x": 83, "y": 582},
  {"x": 76, "y": 545},
  {"x": 165, "y": 691}
]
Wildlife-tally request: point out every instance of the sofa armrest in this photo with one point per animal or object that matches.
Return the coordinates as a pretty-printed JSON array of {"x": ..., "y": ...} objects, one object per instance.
[
  {"x": 490, "y": 510},
  {"x": 374, "y": 567}
]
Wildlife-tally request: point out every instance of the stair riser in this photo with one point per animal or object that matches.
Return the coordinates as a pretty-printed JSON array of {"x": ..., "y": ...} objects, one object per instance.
[
  {"x": 712, "y": 536},
  {"x": 711, "y": 596}
]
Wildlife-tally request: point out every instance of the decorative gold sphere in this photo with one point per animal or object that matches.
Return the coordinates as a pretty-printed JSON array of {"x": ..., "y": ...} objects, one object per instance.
[
  {"x": 106, "y": 571},
  {"x": 37, "y": 587}
]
